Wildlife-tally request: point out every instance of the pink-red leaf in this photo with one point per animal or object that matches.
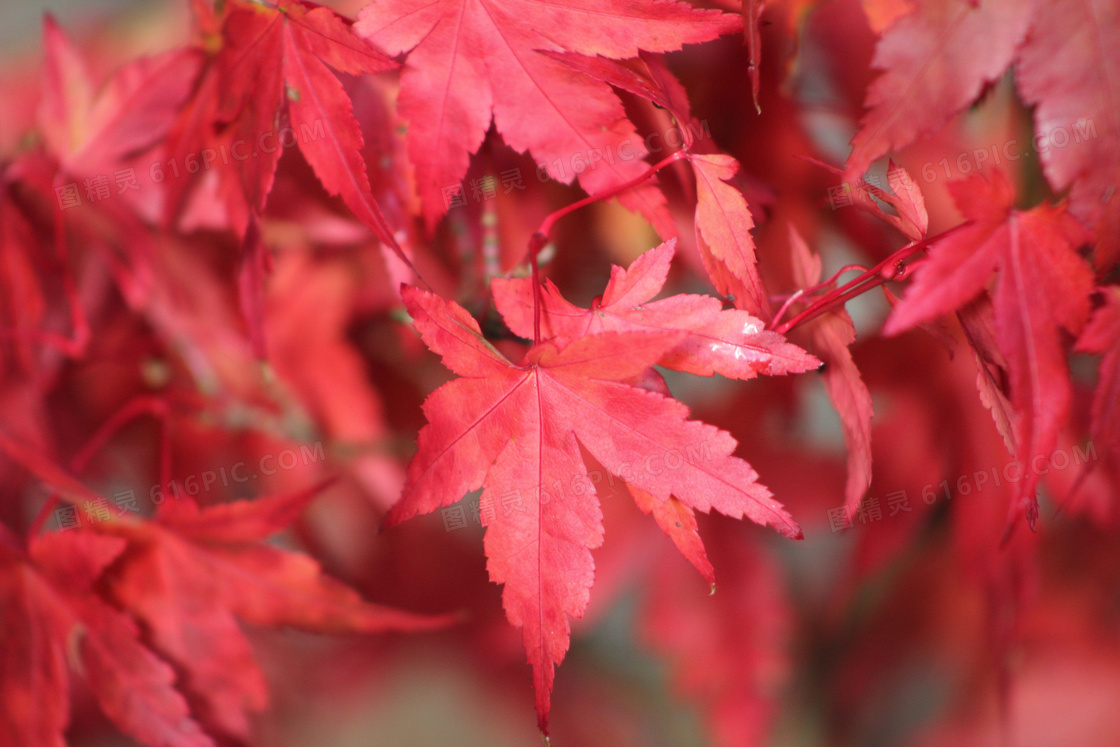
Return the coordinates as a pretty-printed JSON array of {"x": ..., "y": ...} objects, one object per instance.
[
  {"x": 470, "y": 61},
  {"x": 678, "y": 521},
  {"x": 728, "y": 342},
  {"x": 516, "y": 434},
  {"x": 1078, "y": 99},
  {"x": 723, "y": 233},
  {"x": 935, "y": 62},
  {"x": 1042, "y": 285}
]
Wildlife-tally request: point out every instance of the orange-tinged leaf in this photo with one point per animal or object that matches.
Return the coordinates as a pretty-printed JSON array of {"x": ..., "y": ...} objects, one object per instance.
[{"x": 723, "y": 233}]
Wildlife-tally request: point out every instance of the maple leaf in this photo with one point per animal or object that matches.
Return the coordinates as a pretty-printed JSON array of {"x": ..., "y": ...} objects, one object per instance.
[
  {"x": 515, "y": 431},
  {"x": 1080, "y": 99},
  {"x": 1042, "y": 285},
  {"x": 912, "y": 219},
  {"x": 91, "y": 130},
  {"x": 678, "y": 521},
  {"x": 194, "y": 131},
  {"x": 49, "y": 613},
  {"x": 275, "y": 57},
  {"x": 938, "y": 58},
  {"x": 728, "y": 342},
  {"x": 192, "y": 573},
  {"x": 833, "y": 335},
  {"x": 722, "y": 219},
  {"x": 188, "y": 576},
  {"x": 882, "y": 13},
  {"x": 978, "y": 322},
  {"x": 723, "y": 225},
  {"x": 652, "y": 81},
  {"x": 470, "y": 61}
]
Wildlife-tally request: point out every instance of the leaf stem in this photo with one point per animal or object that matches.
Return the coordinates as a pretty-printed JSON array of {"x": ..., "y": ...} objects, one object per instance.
[
  {"x": 867, "y": 280},
  {"x": 536, "y": 243},
  {"x": 812, "y": 290},
  {"x": 538, "y": 240},
  {"x": 606, "y": 194}
]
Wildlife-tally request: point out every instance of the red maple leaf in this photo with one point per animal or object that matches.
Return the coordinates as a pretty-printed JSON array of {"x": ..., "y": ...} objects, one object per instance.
[
  {"x": 1078, "y": 100},
  {"x": 515, "y": 431},
  {"x": 275, "y": 59},
  {"x": 648, "y": 78},
  {"x": 728, "y": 342},
  {"x": 50, "y": 614},
  {"x": 723, "y": 225},
  {"x": 1042, "y": 285},
  {"x": 469, "y": 62},
  {"x": 192, "y": 573},
  {"x": 89, "y": 130},
  {"x": 937, "y": 60},
  {"x": 188, "y": 576},
  {"x": 722, "y": 219}
]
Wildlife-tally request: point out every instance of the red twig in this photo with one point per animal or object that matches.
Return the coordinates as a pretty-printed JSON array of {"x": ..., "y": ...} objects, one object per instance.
[
  {"x": 606, "y": 194},
  {"x": 538, "y": 240},
  {"x": 888, "y": 269}
]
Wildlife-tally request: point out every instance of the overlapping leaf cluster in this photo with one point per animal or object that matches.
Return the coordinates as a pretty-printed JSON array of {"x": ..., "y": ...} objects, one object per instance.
[{"x": 257, "y": 205}]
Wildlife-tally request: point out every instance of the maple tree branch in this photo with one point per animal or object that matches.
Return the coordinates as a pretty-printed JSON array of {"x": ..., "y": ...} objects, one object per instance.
[{"x": 891, "y": 268}]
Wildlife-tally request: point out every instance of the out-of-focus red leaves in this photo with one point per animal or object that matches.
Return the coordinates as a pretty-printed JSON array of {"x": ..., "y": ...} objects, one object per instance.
[{"x": 210, "y": 392}]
